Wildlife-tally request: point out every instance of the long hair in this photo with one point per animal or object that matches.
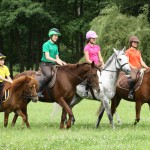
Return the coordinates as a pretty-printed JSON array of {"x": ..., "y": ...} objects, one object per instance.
[{"x": 87, "y": 41}]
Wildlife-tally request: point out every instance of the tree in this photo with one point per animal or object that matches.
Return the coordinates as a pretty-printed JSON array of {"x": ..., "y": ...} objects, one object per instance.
[{"x": 115, "y": 28}]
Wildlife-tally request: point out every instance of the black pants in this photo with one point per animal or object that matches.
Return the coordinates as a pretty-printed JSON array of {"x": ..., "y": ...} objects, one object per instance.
[
  {"x": 1, "y": 90},
  {"x": 132, "y": 83},
  {"x": 47, "y": 71}
]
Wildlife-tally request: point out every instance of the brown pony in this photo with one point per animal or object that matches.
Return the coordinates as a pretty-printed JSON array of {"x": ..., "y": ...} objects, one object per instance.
[
  {"x": 18, "y": 92},
  {"x": 141, "y": 96},
  {"x": 67, "y": 78}
]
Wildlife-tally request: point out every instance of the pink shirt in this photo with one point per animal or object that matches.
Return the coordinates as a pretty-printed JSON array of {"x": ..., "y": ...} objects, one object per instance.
[{"x": 93, "y": 52}]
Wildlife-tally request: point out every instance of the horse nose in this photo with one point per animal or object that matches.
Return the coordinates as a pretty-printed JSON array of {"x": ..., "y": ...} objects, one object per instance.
[
  {"x": 35, "y": 99},
  {"x": 129, "y": 70}
]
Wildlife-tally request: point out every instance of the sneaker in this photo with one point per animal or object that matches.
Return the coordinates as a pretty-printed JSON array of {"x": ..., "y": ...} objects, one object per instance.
[
  {"x": 130, "y": 95},
  {"x": 40, "y": 94}
]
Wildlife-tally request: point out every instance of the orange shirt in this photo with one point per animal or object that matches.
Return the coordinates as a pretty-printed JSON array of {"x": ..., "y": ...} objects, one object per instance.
[{"x": 134, "y": 57}]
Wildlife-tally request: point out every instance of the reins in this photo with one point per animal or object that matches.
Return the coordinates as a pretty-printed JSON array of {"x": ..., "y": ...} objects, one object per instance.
[
  {"x": 77, "y": 76},
  {"x": 121, "y": 66},
  {"x": 72, "y": 73}
]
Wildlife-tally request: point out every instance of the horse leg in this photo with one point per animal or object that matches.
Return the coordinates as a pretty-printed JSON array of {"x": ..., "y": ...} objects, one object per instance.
[
  {"x": 101, "y": 112},
  {"x": 67, "y": 109},
  {"x": 20, "y": 113},
  {"x": 118, "y": 118},
  {"x": 16, "y": 116},
  {"x": 24, "y": 111},
  {"x": 138, "y": 110},
  {"x": 14, "y": 119},
  {"x": 63, "y": 118},
  {"x": 6, "y": 116},
  {"x": 114, "y": 104},
  {"x": 105, "y": 102},
  {"x": 76, "y": 99}
]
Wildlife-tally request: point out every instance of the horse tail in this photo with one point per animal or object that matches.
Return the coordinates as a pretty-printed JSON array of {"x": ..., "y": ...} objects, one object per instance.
[
  {"x": 56, "y": 109},
  {"x": 99, "y": 109}
]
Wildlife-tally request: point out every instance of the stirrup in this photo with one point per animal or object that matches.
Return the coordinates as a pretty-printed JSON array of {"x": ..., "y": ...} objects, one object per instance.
[{"x": 130, "y": 95}]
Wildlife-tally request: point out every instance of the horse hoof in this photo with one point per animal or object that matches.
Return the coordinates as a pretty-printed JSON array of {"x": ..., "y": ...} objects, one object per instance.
[
  {"x": 5, "y": 125},
  {"x": 61, "y": 127},
  {"x": 12, "y": 125}
]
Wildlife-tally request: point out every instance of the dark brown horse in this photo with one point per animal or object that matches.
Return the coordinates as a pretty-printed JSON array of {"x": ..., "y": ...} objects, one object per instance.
[
  {"x": 67, "y": 78},
  {"x": 141, "y": 96},
  {"x": 22, "y": 88}
]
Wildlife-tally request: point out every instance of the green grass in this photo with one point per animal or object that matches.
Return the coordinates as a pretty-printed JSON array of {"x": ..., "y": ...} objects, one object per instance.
[{"x": 46, "y": 135}]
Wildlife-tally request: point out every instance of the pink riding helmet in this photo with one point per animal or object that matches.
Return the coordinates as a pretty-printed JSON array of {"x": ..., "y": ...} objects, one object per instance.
[{"x": 91, "y": 34}]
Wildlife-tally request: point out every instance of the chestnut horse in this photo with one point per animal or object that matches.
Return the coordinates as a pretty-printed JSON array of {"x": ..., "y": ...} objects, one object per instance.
[
  {"x": 107, "y": 82},
  {"x": 141, "y": 96},
  {"x": 67, "y": 78},
  {"x": 22, "y": 88}
]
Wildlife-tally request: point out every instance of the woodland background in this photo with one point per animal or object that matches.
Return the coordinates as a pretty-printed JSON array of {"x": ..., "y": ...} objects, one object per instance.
[{"x": 24, "y": 26}]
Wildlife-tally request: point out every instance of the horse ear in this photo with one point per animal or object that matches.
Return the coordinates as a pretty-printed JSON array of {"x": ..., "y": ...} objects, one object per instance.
[
  {"x": 124, "y": 49},
  {"x": 28, "y": 79},
  {"x": 116, "y": 52}
]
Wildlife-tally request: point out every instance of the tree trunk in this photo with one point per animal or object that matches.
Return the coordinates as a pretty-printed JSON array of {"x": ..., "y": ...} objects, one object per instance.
[
  {"x": 19, "y": 50},
  {"x": 10, "y": 54},
  {"x": 1, "y": 43},
  {"x": 29, "y": 57}
]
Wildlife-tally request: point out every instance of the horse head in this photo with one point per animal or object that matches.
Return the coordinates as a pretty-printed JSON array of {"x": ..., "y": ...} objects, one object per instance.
[
  {"x": 92, "y": 77},
  {"x": 31, "y": 88},
  {"x": 122, "y": 61}
]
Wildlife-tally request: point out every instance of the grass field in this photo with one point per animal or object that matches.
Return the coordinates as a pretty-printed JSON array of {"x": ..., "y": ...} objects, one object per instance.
[{"x": 46, "y": 135}]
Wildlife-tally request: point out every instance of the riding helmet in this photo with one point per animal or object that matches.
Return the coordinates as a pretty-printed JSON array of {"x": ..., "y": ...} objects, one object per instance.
[
  {"x": 53, "y": 31},
  {"x": 91, "y": 34},
  {"x": 2, "y": 56},
  {"x": 134, "y": 39}
]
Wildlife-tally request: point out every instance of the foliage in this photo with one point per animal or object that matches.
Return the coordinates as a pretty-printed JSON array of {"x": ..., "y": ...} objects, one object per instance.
[
  {"x": 114, "y": 30},
  {"x": 24, "y": 25}
]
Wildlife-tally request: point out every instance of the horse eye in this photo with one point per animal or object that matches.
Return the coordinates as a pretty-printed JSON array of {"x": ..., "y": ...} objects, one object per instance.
[{"x": 119, "y": 59}]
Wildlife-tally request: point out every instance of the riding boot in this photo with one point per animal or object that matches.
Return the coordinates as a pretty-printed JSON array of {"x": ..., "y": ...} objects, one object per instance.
[
  {"x": 131, "y": 92},
  {"x": 42, "y": 86}
]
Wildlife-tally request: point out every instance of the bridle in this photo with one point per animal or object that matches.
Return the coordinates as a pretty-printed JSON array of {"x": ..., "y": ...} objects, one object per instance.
[
  {"x": 117, "y": 62},
  {"x": 28, "y": 94},
  {"x": 82, "y": 80}
]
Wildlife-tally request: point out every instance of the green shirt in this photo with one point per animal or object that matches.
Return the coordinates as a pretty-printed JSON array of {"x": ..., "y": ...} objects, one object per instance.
[{"x": 50, "y": 47}]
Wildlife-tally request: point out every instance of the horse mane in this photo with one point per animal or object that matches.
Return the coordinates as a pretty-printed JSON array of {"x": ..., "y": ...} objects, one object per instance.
[
  {"x": 17, "y": 83},
  {"x": 28, "y": 72},
  {"x": 74, "y": 66},
  {"x": 108, "y": 62}
]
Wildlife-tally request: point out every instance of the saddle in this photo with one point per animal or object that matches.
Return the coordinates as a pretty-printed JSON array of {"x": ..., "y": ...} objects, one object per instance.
[
  {"x": 124, "y": 80},
  {"x": 5, "y": 93},
  {"x": 39, "y": 76}
]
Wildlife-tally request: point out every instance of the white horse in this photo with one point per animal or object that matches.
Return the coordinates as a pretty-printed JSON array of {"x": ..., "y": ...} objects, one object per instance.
[{"x": 107, "y": 82}]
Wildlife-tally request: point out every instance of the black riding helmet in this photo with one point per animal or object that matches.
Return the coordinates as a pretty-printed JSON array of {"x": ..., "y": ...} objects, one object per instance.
[{"x": 2, "y": 56}]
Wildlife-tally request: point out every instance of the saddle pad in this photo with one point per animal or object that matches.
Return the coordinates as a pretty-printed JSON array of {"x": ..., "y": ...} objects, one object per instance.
[
  {"x": 124, "y": 82},
  {"x": 53, "y": 80},
  {"x": 5, "y": 96},
  {"x": 39, "y": 76}
]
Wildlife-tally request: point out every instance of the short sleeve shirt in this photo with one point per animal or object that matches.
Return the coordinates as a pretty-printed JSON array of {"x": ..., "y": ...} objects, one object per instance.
[
  {"x": 93, "y": 52},
  {"x": 50, "y": 47},
  {"x": 4, "y": 72},
  {"x": 134, "y": 57}
]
